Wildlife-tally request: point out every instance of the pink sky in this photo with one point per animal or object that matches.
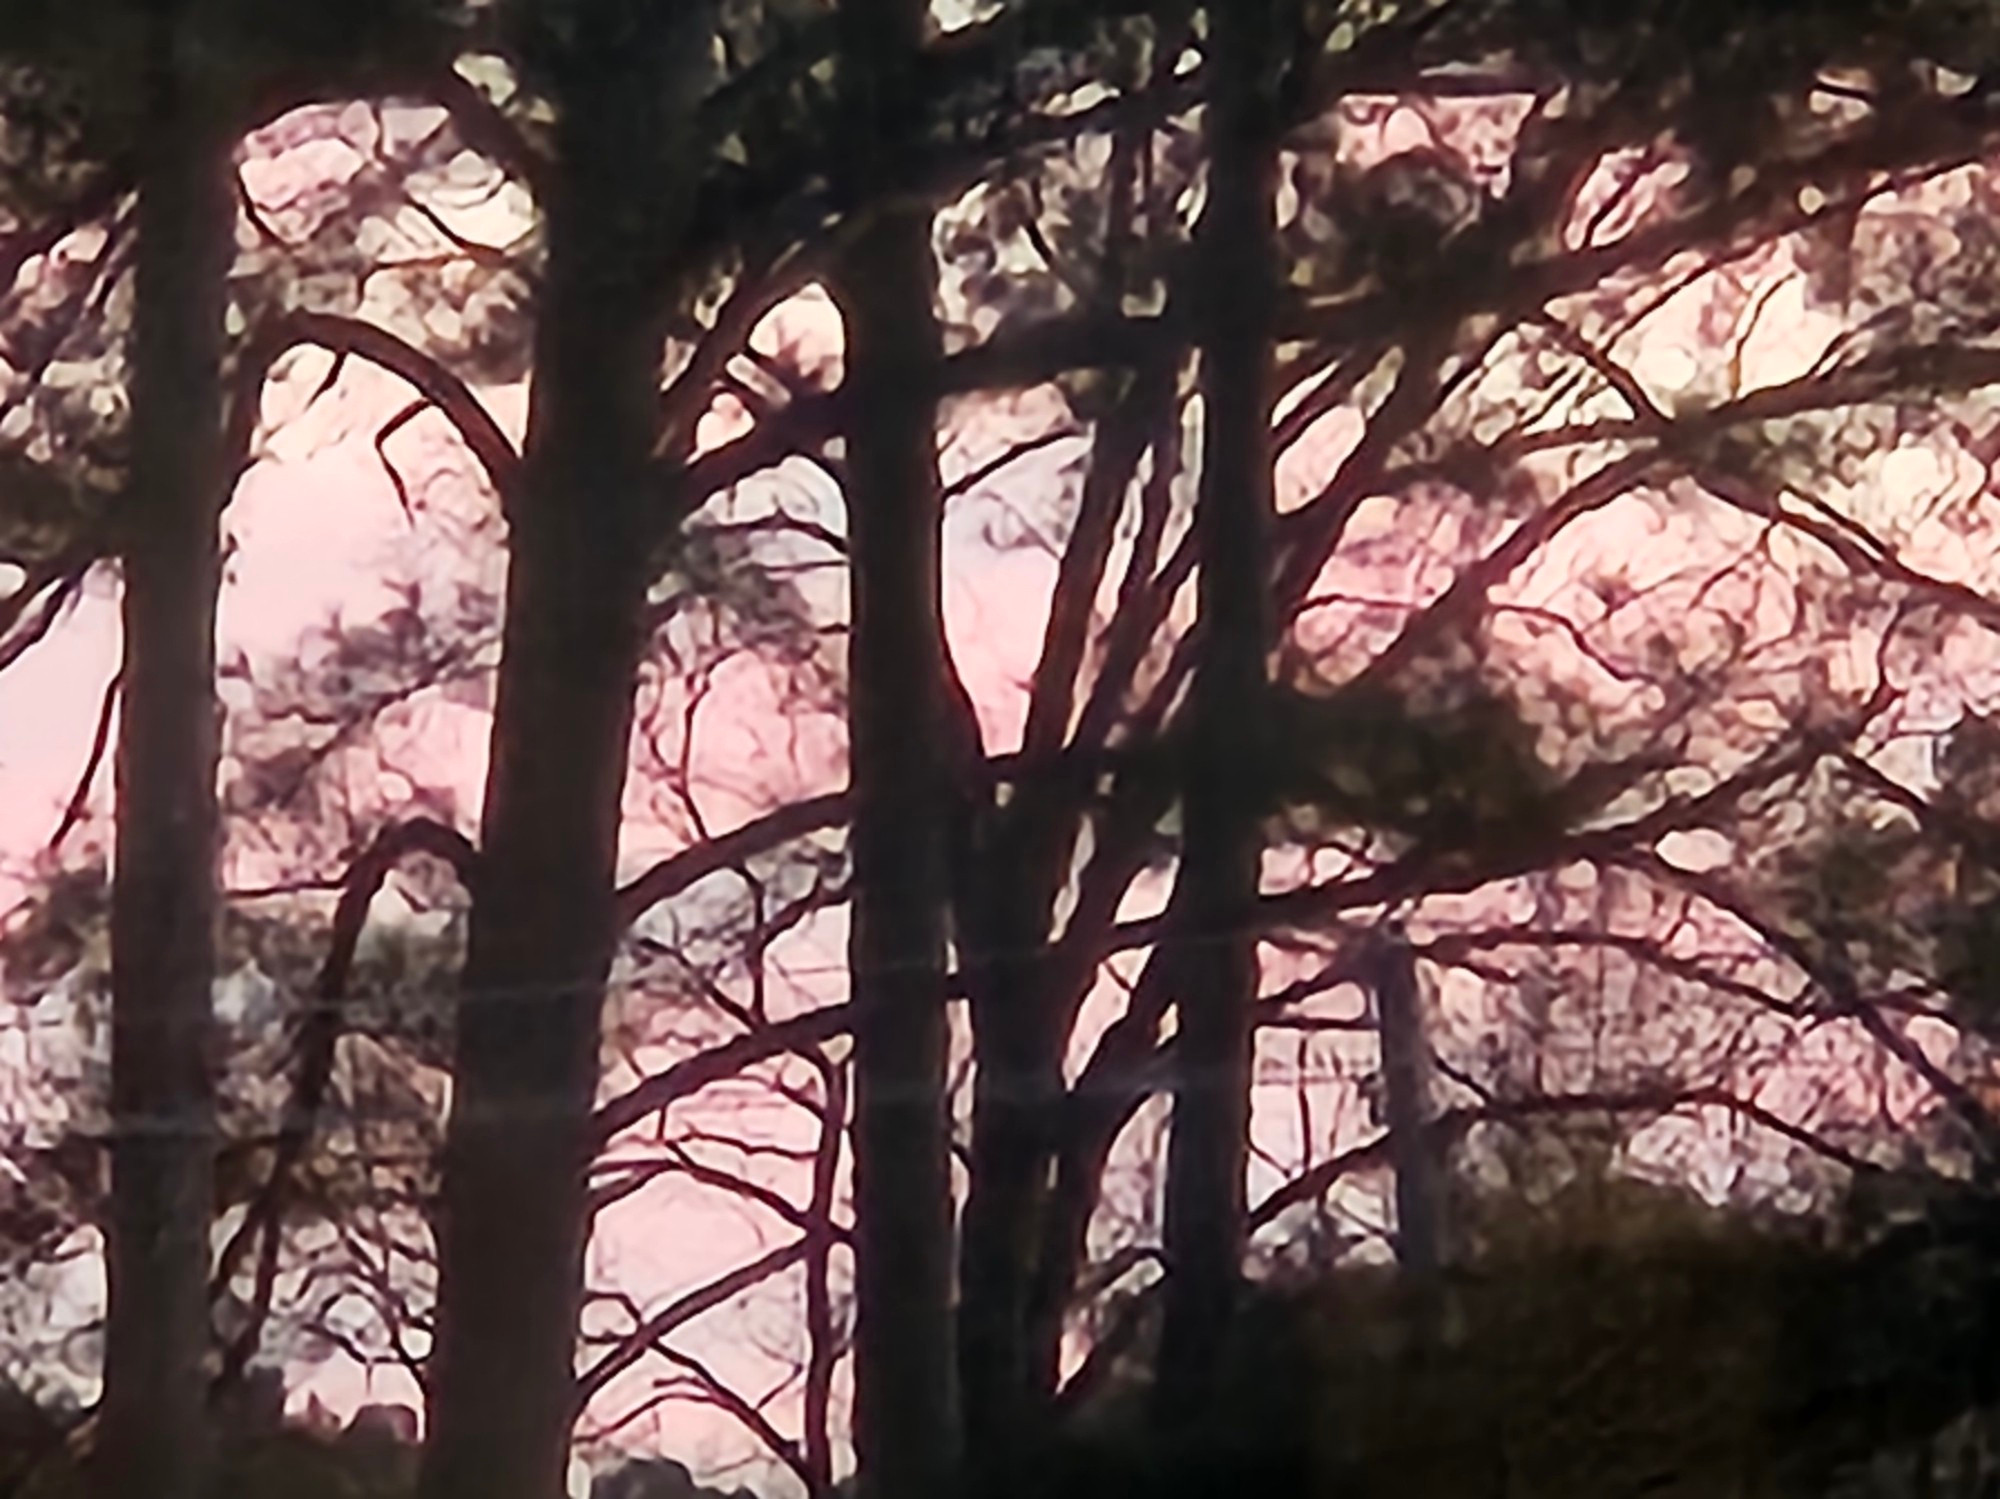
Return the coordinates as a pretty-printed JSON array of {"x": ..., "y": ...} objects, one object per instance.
[{"x": 318, "y": 530}]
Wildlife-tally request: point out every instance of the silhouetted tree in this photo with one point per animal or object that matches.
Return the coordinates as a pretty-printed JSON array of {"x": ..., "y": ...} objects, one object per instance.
[
  {"x": 900, "y": 774},
  {"x": 624, "y": 78},
  {"x": 1233, "y": 292},
  {"x": 154, "y": 1431}
]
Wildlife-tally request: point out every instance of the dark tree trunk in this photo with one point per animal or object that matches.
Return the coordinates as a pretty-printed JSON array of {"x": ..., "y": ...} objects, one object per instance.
[
  {"x": 513, "y": 1220},
  {"x": 1017, "y": 1085},
  {"x": 1406, "y": 1109},
  {"x": 905, "y": 1415},
  {"x": 1022, "y": 1000},
  {"x": 152, "y": 1440},
  {"x": 1216, "y": 968}
]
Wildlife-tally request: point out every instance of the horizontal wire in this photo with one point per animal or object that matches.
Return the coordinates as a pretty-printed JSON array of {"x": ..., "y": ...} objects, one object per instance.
[
  {"x": 175, "y": 1129},
  {"x": 1159, "y": 1081},
  {"x": 560, "y": 988},
  {"x": 355, "y": 1010}
]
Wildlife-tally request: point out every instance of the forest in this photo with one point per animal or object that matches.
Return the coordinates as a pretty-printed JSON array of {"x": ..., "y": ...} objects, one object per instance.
[{"x": 912, "y": 748}]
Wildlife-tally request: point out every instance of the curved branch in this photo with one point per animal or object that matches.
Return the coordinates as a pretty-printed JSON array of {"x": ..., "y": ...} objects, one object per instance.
[
  {"x": 822, "y": 1350},
  {"x": 644, "y": 1338},
  {"x": 798, "y": 1034},
  {"x": 344, "y": 336},
  {"x": 746, "y": 1413},
  {"x": 318, "y": 1037},
  {"x": 1468, "y": 592},
  {"x": 56, "y": 585},
  {"x": 387, "y": 430},
  {"x": 96, "y": 200},
  {"x": 1453, "y": 1124},
  {"x": 678, "y": 872},
  {"x": 487, "y": 130},
  {"x": 100, "y": 742},
  {"x": 1980, "y": 1122}
]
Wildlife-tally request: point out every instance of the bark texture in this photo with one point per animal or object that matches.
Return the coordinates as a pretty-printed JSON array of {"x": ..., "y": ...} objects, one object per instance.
[
  {"x": 906, "y": 1406},
  {"x": 1407, "y": 1110},
  {"x": 1215, "y": 969},
  {"x": 544, "y": 924},
  {"x": 152, "y": 1441}
]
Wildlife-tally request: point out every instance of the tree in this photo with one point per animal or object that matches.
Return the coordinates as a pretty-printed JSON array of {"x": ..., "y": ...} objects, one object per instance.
[
  {"x": 164, "y": 876},
  {"x": 1398, "y": 296},
  {"x": 161, "y": 96},
  {"x": 276, "y": 337},
  {"x": 163, "y": 1122},
  {"x": 1215, "y": 970},
  {"x": 170, "y": 90},
  {"x": 624, "y": 78},
  {"x": 906, "y": 1412},
  {"x": 1465, "y": 362}
]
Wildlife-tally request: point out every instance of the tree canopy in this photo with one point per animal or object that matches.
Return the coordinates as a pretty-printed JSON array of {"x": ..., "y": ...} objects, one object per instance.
[{"x": 1545, "y": 528}]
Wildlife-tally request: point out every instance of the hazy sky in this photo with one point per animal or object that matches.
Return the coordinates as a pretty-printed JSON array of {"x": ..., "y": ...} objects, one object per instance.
[{"x": 320, "y": 537}]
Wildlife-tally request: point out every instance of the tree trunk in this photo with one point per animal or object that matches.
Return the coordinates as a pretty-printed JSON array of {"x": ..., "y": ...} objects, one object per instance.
[
  {"x": 1017, "y": 1084},
  {"x": 1406, "y": 1109},
  {"x": 1216, "y": 968},
  {"x": 1415, "y": 1154},
  {"x": 513, "y": 1221},
  {"x": 1022, "y": 994},
  {"x": 906, "y": 1409},
  {"x": 152, "y": 1440}
]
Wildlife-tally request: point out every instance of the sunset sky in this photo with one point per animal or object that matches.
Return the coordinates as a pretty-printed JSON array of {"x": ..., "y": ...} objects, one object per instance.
[{"x": 321, "y": 541}]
